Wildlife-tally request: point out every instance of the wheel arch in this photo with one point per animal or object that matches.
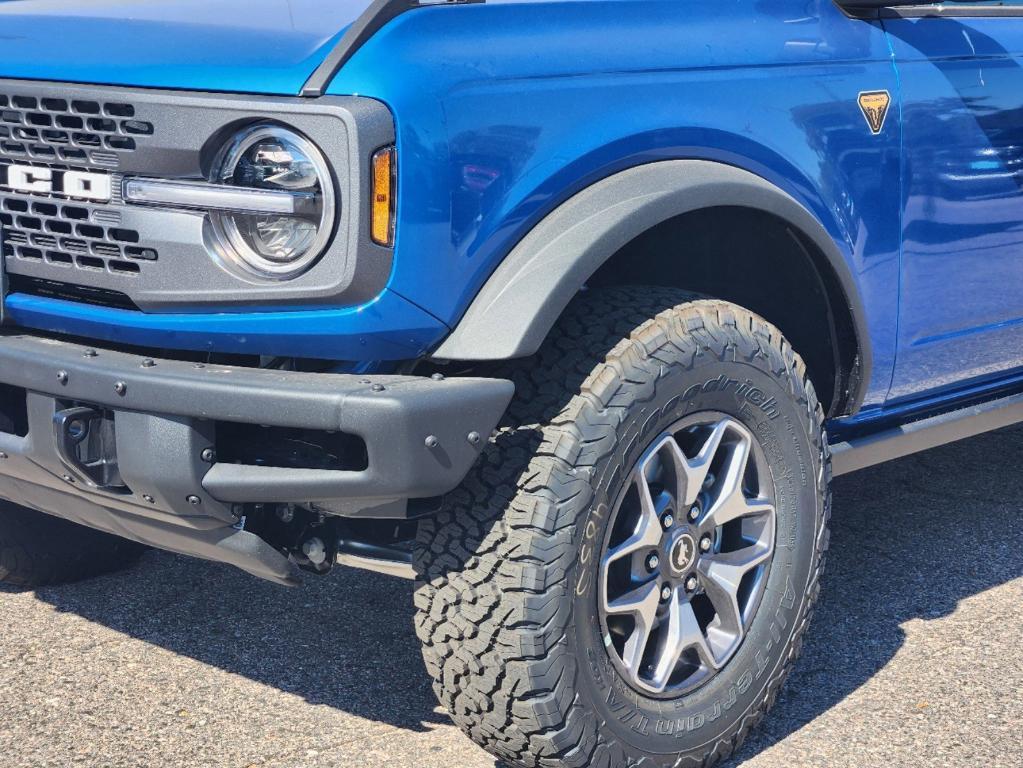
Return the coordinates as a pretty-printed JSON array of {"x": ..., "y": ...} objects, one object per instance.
[{"x": 521, "y": 301}]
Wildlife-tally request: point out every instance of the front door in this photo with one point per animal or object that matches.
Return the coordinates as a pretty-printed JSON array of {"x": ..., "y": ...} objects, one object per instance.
[{"x": 961, "y": 308}]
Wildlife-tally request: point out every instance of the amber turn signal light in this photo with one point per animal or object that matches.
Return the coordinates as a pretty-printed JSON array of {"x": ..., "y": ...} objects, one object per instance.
[{"x": 384, "y": 178}]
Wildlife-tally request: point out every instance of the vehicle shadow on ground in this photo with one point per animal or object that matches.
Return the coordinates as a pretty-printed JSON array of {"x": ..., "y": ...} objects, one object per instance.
[{"x": 909, "y": 540}]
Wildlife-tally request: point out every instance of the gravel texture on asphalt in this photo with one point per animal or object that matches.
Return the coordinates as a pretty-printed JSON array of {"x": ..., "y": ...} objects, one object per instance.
[{"x": 915, "y": 657}]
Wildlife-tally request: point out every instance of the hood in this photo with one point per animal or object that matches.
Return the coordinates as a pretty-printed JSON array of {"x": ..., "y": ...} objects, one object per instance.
[{"x": 247, "y": 46}]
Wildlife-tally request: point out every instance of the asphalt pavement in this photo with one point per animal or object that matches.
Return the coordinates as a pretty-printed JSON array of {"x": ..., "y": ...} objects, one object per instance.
[{"x": 915, "y": 657}]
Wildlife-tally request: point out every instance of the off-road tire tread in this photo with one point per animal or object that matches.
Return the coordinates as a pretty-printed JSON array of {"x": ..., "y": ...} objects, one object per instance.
[
  {"x": 38, "y": 550},
  {"x": 492, "y": 596}
]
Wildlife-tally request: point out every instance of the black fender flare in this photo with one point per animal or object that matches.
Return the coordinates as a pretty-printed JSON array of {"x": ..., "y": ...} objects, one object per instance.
[{"x": 523, "y": 298}]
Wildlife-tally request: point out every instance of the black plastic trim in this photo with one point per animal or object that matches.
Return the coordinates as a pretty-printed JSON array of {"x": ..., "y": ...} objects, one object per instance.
[
  {"x": 375, "y": 17},
  {"x": 895, "y": 442},
  {"x": 422, "y": 436},
  {"x": 523, "y": 298},
  {"x": 952, "y": 10}
]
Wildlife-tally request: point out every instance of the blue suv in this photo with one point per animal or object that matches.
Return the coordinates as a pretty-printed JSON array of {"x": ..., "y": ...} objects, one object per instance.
[{"x": 567, "y": 310}]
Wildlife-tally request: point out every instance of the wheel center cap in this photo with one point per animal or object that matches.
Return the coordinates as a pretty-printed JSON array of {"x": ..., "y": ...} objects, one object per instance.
[{"x": 683, "y": 553}]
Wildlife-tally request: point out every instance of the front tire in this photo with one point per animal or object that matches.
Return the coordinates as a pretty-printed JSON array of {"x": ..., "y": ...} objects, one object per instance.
[{"x": 512, "y": 598}]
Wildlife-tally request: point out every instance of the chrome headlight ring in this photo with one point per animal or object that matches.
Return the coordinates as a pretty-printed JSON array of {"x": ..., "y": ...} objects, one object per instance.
[{"x": 273, "y": 246}]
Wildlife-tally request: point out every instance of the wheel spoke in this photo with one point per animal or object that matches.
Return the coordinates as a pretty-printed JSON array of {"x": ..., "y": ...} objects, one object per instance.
[
  {"x": 648, "y": 527},
  {"x": 723, "y": 574},
  {"x": 730, "y": 501},
  {"x": 682, "y": 632},
  {"x": 641, "y": 604}
]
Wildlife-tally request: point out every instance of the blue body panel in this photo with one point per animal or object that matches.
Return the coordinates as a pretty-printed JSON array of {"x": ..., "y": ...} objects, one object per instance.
[
  {"x": 505, "y": 110},
  {"x": 962, "y": 296},
  {"x": 388, "y": 328}
]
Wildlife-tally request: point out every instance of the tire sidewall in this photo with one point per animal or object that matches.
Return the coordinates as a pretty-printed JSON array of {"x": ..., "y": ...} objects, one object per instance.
[{"x": 781, "y": 424}]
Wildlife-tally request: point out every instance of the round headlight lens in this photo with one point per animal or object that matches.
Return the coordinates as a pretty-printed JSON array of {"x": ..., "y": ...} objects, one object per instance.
[{"x": 275, "y": 246}]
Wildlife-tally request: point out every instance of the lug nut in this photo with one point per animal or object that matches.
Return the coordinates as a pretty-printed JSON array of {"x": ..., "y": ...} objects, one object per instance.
[
  {"x": 68, "y": 479},
  {"x": 120, "y": 388},
  {"x": 665, "y": 593},
  {"x": 148, "y": 499},
  {"x": 437, "y": 377},
  {"x": 473, "y": 438},
  {"x": 705, "y": 544},
  {"x": 194, "y": 500},
  {"x": 652, "y": 562},
  {"x": 431, "y": 441},
  {"x": 209, "y": 455},
  {"x": 708, "y": 481},
  {"x": 694, "y": 513},
  {"x": 692, "y": 583},
  {"x": 62, "y": 377},
  {"x": 667, "y": 521}
]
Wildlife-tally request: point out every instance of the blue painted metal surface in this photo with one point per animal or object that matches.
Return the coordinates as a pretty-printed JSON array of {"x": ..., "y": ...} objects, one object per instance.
[
  {"x": 248, "y": 46},
  {"x": 504, "y": 110},
  {"x": 962, "y": 298},
  {"x": 388, "y": 328}
]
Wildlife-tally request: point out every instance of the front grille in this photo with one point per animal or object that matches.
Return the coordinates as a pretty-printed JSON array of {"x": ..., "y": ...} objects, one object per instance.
[
  {"x": 68, "y": 131},
  {"x": 58, "y": 230}
]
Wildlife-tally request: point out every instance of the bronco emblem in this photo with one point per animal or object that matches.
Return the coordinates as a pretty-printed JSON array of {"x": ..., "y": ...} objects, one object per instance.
[{"x": 874, "y": 105}]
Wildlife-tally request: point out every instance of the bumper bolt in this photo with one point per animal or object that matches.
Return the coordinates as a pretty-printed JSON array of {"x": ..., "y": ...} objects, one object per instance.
[
  {"x": 432, "y": 441},
  {"x": 652, "y": 562},
  {"x": 667, "y": 521},
  {"x": 473, "y": 438},
  {"x": 209, "y": 455},
  {"x": 437, "y": 377},
  {"x": 194, "y": 500},
  {"x": 90, "y": 353},
  {"x": 62, "y": 377},
  {"x": 148, "y": 499},
  {"x": 3, "y": 455},
  {"x": 148, "y": 362},
  {"x": 120, "y": 388},
  {"x": 692, "y": 583},
  {"x": 377, "y": 388},
  {"x": 694, "y": 513},
  {"x": 665, "y": 593},
  {"x": 68, "y": 479},
  {"x": 705, "y": 544}
]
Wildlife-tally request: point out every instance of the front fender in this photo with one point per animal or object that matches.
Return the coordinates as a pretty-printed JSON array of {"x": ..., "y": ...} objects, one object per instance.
[{"x": 516, "y": 308}]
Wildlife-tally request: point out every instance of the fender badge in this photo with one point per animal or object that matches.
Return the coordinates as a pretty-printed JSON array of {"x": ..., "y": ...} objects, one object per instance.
[{"x": 874, "y": 105}]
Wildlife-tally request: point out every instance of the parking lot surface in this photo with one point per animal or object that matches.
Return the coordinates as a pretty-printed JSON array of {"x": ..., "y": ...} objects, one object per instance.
[{"x": 915, "y": 657}]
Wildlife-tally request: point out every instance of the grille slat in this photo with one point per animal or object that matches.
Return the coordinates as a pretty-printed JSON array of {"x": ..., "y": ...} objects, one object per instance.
[
  {"x": 44, "y": 127},
  {"x": 68, "y": 234}
]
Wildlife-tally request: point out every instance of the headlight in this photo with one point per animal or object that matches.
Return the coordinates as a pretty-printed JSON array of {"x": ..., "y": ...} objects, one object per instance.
[{"x": 274, "y": 245}]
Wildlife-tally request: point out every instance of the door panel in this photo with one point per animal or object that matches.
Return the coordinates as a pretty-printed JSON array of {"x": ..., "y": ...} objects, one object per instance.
[{"x": 961, "y": 313}]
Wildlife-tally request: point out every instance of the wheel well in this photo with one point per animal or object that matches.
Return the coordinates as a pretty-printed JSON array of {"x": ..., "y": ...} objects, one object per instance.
[{"x": 757, "y": 260}]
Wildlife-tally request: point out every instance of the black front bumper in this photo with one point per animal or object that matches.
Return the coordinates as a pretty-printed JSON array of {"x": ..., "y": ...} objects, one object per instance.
[{"x": 421, "y": 437}]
